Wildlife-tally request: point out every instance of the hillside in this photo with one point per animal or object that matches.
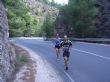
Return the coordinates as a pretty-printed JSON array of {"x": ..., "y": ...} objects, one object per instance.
[
  {"x": 30, "y": 17},
  {"x": 40, "y": 11}
]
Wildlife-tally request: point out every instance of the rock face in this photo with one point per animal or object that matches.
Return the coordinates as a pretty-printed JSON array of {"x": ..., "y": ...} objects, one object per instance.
[
  {"x": 40, "y": 10},
  {"x": 7, "y": 56},
  {"x": 103, "y": 18}
]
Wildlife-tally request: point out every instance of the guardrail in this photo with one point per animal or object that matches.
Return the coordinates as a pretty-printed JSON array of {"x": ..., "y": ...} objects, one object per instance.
[
  {"x": 93, "y": 40},
  {"x": 89, "y": 40}
]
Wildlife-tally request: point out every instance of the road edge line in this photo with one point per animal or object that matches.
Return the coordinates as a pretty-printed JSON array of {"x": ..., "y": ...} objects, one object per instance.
[
  {"x": 93, "y": 54},
  {"x": 69, "y": 76}
]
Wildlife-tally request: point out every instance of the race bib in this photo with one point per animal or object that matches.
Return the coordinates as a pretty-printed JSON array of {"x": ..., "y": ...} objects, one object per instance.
[{"x": 66, "y": 48}]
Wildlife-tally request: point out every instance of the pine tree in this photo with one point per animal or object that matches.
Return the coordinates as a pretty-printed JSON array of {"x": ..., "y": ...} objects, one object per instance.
[{"x": 80, "y": 15}]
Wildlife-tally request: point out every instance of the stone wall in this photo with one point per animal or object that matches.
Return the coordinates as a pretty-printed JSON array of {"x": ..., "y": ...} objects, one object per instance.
[{"x": 7, "y": 55}]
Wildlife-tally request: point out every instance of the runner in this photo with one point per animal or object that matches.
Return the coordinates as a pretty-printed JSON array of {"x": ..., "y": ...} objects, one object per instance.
[
  {"x": 57, "y": 46},
  {"x": 66, "y": 44}
]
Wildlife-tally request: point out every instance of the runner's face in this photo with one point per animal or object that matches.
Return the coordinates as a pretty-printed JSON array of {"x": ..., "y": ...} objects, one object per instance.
[
  {"x": 65, "y": 38},
  {"x": 57, "y": 36}
]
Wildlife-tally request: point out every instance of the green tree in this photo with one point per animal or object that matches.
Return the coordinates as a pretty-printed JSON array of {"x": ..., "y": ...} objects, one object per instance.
[
  {"x": 80, "y": 15},
  {"x": 27, "y": 21},
  {"x": 20, "y": 22},
  {"x": 48, "y": 26}
]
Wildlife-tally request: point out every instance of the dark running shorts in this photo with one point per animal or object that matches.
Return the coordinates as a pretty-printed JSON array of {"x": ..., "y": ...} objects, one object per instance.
[
  {"x": 57, "y": 46},
  {"x": 66, "y": 54}
]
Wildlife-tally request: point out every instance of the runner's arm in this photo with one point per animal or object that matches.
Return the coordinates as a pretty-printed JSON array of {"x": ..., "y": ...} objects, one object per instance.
[
  {"x": 61, "y": 45},
  {"x": 70, "y": 44}
]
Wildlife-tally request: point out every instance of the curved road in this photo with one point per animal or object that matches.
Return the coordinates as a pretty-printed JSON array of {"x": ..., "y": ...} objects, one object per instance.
[{"x": 88, "y": 62}]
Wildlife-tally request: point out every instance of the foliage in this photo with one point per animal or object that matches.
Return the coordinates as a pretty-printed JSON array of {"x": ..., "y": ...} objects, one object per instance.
[
  {"x": 20, "y": 22},
  {"x": 48, "y": 26},
  {"x": 51, "y": 3},
  {"x": 80, "y": 15},
  {"x": 23, "y": 23},
  {"x": 44, "y": 13}
]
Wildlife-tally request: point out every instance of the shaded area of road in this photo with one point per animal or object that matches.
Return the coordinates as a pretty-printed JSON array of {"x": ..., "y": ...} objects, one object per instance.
[{"x": 83, "y": 67}]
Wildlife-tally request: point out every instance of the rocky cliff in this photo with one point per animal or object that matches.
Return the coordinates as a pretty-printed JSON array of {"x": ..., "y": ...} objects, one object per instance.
[
  {"x": 40, "y": 10},
  {"x": 7, "y": 56}
]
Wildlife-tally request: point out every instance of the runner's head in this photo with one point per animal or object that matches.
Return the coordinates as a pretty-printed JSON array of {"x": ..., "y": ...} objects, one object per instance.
[
  {"x": 57, "y": 35},
  {"x": 65, "y": 37}
]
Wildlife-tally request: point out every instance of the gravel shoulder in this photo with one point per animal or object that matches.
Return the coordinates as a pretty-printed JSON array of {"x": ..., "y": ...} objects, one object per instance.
[
  {"x": 24, "y": 68},
  {"x": 37, "y": 70}
]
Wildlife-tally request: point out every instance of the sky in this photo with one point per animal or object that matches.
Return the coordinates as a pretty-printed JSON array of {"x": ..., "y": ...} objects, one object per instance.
[{"x": 61, "y": 1}]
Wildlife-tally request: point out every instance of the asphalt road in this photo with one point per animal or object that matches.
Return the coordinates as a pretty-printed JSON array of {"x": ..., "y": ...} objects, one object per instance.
[{"x": 88, "y": 62}]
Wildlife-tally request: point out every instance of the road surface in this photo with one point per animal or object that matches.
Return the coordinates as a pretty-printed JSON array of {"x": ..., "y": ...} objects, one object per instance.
[{"x": 88, "y": 62}]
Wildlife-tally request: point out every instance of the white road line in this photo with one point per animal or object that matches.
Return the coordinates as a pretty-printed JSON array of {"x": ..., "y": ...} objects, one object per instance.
[
  {"x": 94, "y": 44},
  {"x": 69, "y": 76},
  {"x": 93, "y": 54}
]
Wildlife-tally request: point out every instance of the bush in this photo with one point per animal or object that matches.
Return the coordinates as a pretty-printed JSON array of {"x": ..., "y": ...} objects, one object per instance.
[{"x": 20, "y": 60}]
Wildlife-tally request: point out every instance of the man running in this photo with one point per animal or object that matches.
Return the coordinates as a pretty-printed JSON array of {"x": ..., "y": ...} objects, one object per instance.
[
  {"x": 57, "y": 46},
  {"x": 66, "y": 44}
]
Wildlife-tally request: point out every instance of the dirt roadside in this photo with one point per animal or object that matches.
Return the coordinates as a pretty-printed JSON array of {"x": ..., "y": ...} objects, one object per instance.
[
  {"x": 37, "y": 69},
  {"x": 24, "y": 68}
]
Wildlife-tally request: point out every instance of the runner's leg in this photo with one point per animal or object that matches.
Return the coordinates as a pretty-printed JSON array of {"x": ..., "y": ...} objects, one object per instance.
[
  {"x": 66, "y": 59},
  {"x": 66, "y": 62},
  {"x": 57, "y": 53}
]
